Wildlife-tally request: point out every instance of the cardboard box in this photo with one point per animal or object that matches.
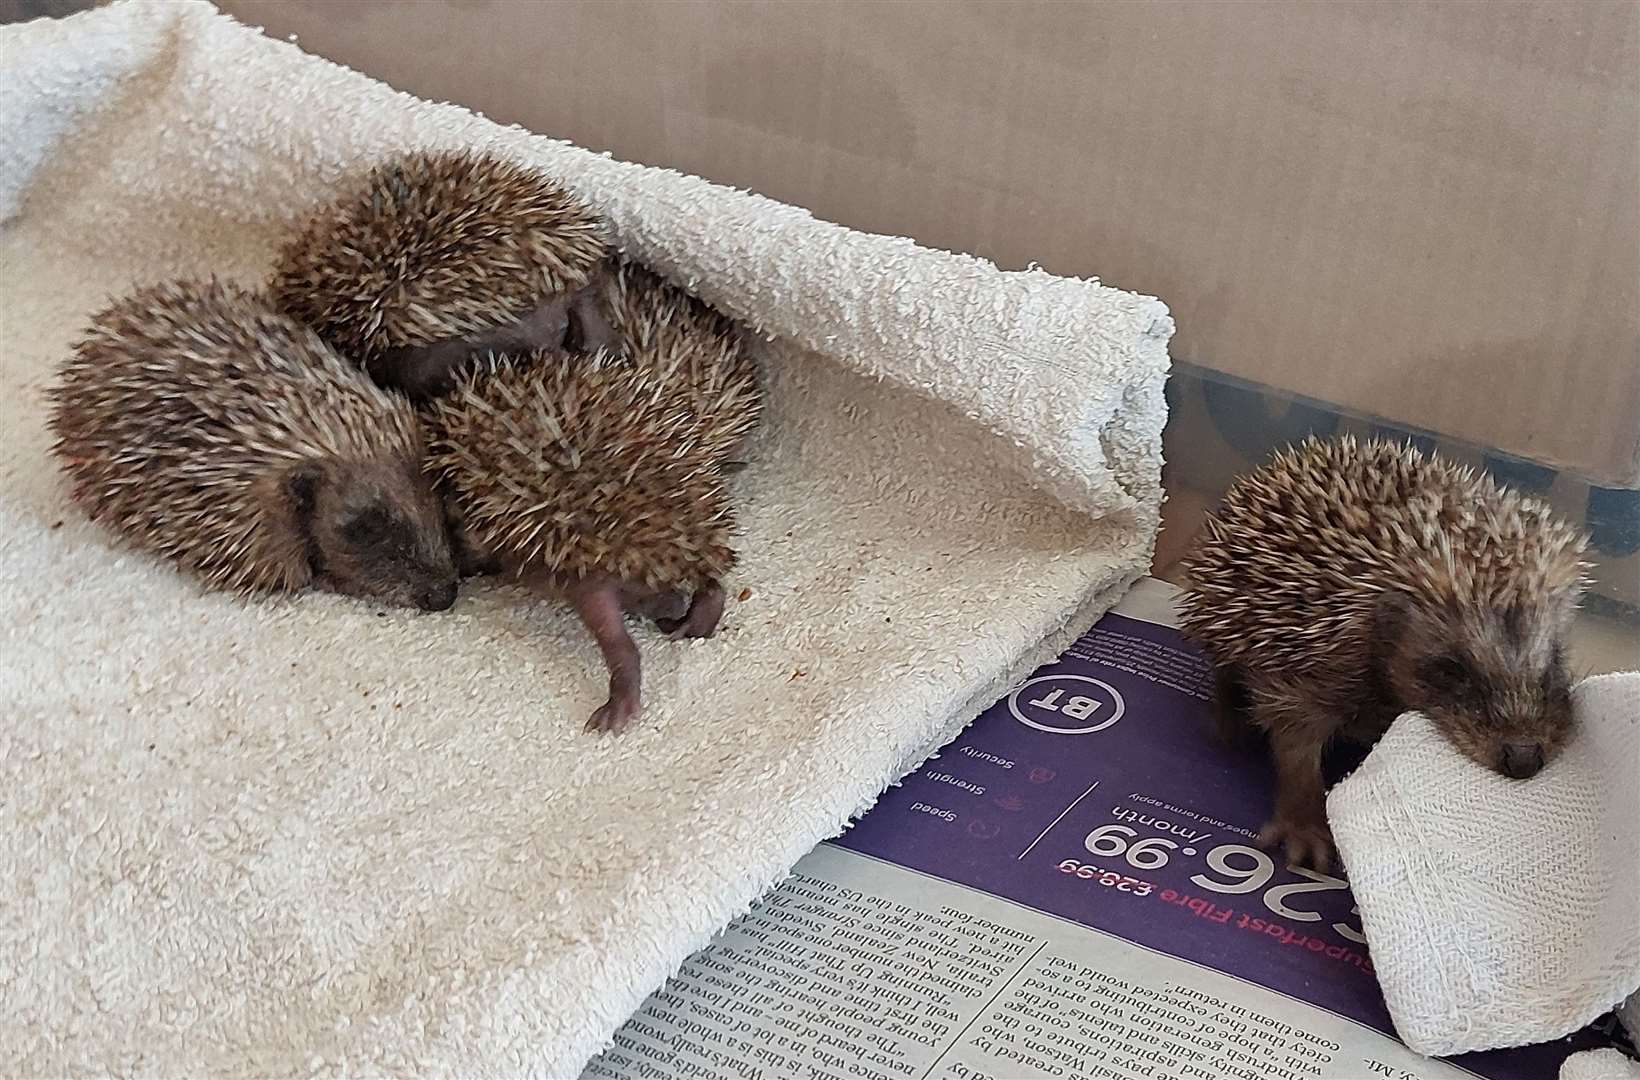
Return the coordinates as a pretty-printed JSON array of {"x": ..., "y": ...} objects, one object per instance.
[{"x": 1425, "y": 212}]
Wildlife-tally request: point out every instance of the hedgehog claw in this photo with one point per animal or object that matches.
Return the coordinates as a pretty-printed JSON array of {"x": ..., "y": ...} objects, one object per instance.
[{"x": 1306, "y": 843}]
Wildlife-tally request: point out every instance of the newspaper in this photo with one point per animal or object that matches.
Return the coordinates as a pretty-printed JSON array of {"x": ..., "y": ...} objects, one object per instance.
[{"x": 1069, "y": 890}]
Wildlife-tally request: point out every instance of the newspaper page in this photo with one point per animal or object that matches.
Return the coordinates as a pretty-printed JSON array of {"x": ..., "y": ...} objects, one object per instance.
[{"x": 1069, "y": 890}]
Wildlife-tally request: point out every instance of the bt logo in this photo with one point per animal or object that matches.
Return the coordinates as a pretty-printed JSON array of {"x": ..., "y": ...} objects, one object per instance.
[{"x": 1066, "y": 704}]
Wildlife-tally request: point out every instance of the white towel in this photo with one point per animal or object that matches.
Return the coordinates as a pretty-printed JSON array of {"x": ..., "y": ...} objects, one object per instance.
[
  {"x": 300, "y": 836},
  {"x": 1600, "y": 1065},
  {"x": 1499, "y": 912},
  {"x": 1609, "y": 1064}
]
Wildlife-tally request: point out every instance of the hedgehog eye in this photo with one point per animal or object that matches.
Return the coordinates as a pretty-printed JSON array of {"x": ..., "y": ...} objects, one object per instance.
[
  {"x": 367, "y": 527},
  {"x": 1446, "y": 675}
]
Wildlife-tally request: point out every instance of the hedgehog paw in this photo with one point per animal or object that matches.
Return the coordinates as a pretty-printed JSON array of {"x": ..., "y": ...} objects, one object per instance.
[
  {"x": 1308, "y": 843},
  {"x": 614, "y": 715},
  {"x": 667, "y": 609},
  {"x": 701, "y": 621}
]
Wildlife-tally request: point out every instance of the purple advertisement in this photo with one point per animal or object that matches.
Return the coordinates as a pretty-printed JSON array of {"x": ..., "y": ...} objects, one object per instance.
[{"x": 1097, "y": 791}]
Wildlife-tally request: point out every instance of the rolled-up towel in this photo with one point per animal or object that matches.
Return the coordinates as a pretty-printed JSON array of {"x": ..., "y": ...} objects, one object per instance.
[{"x": 1499, "y": 912}]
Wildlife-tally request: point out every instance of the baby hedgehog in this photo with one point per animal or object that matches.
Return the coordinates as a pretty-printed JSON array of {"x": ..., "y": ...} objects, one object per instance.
[
  {"x": 436, "y": 257},
  {"x": 584, "y": 475},
  {"x": 699, "y": 353},
  {"x": 202, "y": 425},
  {"x": 1346, "y": 582}
]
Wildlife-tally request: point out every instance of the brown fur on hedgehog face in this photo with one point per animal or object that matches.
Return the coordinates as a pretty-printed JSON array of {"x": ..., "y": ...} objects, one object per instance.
[
  {"x": 372, "y": 530},
  {"x": 1494, "y": 682}
]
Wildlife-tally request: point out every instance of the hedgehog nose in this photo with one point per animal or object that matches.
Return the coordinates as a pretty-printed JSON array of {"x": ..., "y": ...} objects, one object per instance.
[
  {"x": 1521, "y": 760},
  {"x": 438, "y": 598}
]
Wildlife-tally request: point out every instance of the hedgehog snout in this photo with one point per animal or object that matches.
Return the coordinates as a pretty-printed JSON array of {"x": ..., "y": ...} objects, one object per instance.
[
  {"x": 437, "y": 597},
  {"x": 1521, "y": 761}
]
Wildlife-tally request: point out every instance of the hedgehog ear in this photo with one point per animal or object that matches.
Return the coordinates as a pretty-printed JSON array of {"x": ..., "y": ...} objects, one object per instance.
[
  {"x": 1387, "y": 624},
  {"x": 1389, "y": 615},
  {"x": 301, "y": 489}
]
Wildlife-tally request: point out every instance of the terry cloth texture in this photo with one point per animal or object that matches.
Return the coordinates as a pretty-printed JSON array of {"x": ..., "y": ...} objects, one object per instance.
[
  {"x": 300, "y": 836},
  {"x": 1609, "y": 1064},
  {"x": 1600, "y": 1065},
  {"x": 1499, "y": 912}
]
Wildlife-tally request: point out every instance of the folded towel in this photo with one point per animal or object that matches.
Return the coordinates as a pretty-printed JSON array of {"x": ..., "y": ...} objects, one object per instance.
[
  {"x": 1499, "y": 912},
  {"x": 282, "y": 836}
]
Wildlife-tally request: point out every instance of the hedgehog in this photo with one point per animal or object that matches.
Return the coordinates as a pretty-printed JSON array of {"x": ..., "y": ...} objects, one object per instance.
[
  {"x": 1348, "y": 581},
  {"x": 701, "y": 354},
  {"x": 200, "y": 424},
  {"x": 434, "y": 258},
  {"x": 584, "y": 476}
]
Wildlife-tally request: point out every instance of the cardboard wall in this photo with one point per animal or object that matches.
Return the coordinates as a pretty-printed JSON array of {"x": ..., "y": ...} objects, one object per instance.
[{"x": 1428, "y": 212}]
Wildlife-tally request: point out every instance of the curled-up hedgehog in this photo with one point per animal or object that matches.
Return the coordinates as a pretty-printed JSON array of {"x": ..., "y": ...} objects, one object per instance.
[
  {"x": 200, "y": 424},
  {"x": 583, "y": 476},
  {"x": 1346, "y": 582},
  {"x": 436, "y": 258},
  {"x": 699, "y": 353}
]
